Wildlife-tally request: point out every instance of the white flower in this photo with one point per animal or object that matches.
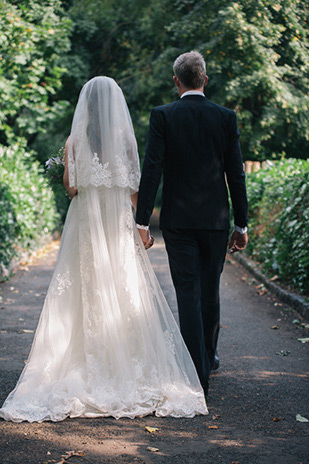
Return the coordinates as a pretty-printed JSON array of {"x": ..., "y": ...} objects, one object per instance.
[{"x": 48, "y": 163}]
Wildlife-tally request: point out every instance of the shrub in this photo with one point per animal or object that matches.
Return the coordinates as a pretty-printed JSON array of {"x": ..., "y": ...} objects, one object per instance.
[
  {"x": 7, "y": 226},
  {"x": 278, "y": 221},
  {"x": 27, "y": 203}
]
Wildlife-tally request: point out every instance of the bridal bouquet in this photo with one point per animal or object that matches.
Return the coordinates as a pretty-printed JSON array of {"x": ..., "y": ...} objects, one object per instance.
[{"x": 55, "y": 167}]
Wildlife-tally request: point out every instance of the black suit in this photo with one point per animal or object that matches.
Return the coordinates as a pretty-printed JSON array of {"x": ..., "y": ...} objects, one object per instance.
[{"x": 194, "y": 142}]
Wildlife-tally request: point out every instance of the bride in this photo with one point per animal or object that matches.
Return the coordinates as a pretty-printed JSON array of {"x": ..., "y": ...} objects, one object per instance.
[{"x": 106, "y": 343}]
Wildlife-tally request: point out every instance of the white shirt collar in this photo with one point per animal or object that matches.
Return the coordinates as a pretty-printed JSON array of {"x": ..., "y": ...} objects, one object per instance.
[{"x": 192, "y": 92}]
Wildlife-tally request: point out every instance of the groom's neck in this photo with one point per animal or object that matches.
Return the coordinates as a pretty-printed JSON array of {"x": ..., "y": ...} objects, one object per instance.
[{"x": 184, "y": 89}]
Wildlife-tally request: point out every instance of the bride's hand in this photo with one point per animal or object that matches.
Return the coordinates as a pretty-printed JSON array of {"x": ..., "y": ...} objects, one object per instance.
[
  {"x": 72, "y": 191},
  {"x": 149, "y": 243}
]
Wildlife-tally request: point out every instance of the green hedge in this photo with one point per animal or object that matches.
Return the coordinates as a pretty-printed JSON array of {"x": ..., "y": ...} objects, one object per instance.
[
  {"x": 28, "y": 213},
  {"x": 278, "y": 198}
]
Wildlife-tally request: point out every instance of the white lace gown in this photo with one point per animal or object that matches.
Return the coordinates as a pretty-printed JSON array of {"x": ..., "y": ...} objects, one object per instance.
[{"x": 106, "y": 343}]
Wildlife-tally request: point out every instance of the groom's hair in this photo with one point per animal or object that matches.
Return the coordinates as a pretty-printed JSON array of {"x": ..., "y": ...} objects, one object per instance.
[{"x": 190, "y": 68}]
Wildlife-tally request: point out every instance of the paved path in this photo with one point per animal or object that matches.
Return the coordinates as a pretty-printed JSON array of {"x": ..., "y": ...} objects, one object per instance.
[{"x": 254, "y": 398}]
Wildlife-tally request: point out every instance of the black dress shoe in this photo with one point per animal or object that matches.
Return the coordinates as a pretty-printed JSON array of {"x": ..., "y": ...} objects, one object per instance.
[{"x": 215, "y": 364}]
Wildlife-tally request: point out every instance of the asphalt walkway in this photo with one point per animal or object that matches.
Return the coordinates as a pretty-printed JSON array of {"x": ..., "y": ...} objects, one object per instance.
[{"x": 260, "y": 388}]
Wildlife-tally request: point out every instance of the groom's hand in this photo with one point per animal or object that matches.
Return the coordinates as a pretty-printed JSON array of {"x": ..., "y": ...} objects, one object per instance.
[
  {"x": 238, "y": 241},
  {"x": 146, "y": 237}
]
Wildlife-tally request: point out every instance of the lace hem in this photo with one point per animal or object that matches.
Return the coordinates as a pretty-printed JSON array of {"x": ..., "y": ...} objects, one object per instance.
[{"x": 60, "y": 407}]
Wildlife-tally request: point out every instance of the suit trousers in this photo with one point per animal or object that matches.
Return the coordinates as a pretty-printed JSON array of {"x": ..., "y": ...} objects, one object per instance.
[{"x": 196, "y": 259}]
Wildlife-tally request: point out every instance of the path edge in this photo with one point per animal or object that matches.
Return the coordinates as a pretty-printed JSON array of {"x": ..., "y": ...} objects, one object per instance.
[{"x": 293, "y": 299}]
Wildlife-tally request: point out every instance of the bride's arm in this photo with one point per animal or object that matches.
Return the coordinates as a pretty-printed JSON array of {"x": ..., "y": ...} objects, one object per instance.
[
  {"x": 134, "y": 200},
  {"x": 72, "y": 191}
]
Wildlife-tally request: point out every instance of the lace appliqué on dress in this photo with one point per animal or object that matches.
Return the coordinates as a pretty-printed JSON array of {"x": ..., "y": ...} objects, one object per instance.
[
  {"x": 169, "y": 340},
  {"x": 100, "y": 175},
  {"x": 126, "y": 176},
  {"x": 64, "y": 282},
  {"x": 71, "y": 167},
  {"x": 117, "y": 173}
]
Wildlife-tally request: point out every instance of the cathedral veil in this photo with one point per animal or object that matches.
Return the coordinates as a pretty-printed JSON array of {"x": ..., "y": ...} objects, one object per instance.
[{"x": 102, "y": 145}]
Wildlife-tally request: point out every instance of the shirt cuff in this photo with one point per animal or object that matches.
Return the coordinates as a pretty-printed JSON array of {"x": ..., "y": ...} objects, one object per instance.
[
  {"x": 142, "y": 227},
  {"x": 241, "y": 230}
]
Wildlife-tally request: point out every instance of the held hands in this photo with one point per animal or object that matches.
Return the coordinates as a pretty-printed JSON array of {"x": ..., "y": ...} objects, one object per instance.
[
  {"x": 238, "y": 241},
  {"x": 146, "y": 237}
]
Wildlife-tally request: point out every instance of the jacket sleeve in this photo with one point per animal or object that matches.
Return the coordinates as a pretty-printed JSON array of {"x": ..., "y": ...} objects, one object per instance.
[
  {"x": 152, "y": 169},
  {"x": 235, "y": 174}
]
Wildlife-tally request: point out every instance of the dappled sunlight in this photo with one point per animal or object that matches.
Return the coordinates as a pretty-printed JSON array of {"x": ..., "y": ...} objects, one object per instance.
[
  {"x": 236, "y": 443},
  {"x": 268, "y": 374},
  {"x": 95, "y": 442},
  {"x": 105, "y": 437},
  {"x": 261, "y": 375},
  {"x": 253, "y": 443},
  {"x": 128, "y": 441}
]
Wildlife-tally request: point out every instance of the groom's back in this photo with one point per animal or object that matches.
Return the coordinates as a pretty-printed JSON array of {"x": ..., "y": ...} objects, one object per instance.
[{"x": 196, "y": 137}]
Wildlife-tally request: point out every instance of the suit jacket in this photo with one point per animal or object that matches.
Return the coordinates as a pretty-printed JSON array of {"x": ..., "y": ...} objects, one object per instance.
[{"x": 194, "y": 142}]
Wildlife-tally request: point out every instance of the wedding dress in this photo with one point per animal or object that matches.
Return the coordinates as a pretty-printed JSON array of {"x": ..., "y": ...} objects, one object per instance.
[{"x": 106, "y": 343}]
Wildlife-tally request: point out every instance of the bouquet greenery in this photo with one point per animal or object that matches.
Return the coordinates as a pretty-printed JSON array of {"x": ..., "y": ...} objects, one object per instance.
[{"x": 55, "y": 167}]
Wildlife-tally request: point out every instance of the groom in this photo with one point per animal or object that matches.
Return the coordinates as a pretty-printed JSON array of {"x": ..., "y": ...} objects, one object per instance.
[{"x": 194, "y": 142}]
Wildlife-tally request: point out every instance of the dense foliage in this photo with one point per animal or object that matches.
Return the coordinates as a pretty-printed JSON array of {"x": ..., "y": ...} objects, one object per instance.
[
  {"x": 278, "y": 221},
  {"x": 28, "y": 211},
  {"x": 34, "y": 36},
  {"x": 7, "y": 227}
]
